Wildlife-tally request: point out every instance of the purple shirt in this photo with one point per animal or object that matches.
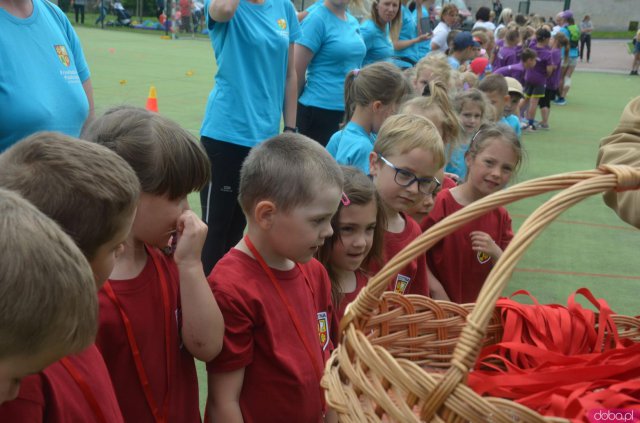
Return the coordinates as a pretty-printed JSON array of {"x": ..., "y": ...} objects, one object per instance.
[
  {"x": 506, "y": 56},
  {"x": 514, "y": 71},
  {"x": 553, "y": 82},
  {"x": 537, "y": 75}
]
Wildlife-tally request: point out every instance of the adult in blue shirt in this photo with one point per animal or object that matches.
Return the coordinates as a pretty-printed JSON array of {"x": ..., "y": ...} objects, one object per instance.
[
  {"x": 44, "y": 78},
  {"x": 254, "y": 88},
  {"x": 330, "y": 47},
  {"x": 408, "y": 45},
  {"x": 378, "y": 31}
]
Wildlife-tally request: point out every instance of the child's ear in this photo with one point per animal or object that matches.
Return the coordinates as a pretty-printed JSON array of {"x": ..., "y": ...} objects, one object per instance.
[
  {"x": 373, "y": 163},
  {"x": 376, "y": 105},
  {"x": 264, "y": 213}
]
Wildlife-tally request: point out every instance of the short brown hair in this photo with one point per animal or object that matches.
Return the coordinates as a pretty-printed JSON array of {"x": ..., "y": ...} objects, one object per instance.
[
  {"x": 84, "y": 187},
  {"x": 48, "y": 297},
  {"x": 528, "y": 54},
  {"x": 494, "y": 83},
  {"x": 167, "y": 159},
  {"x": 286, "y": 169}
]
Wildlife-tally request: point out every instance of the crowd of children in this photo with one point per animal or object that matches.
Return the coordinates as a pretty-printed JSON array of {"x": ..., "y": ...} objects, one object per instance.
[{"x": 126, "y": 308}]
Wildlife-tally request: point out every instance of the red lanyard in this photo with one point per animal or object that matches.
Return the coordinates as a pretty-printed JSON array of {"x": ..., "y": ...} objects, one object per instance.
[
  {"x": 86, "y": 390},
  {"x": 292, "y": 314},
  {"x": 142, "y": 374}
]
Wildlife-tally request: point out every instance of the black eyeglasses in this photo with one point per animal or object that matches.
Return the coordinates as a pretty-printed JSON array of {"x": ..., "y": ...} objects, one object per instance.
[{"x": 404, "y": 178}]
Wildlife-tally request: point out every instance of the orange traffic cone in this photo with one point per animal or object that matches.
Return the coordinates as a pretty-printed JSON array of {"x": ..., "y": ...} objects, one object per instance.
[{"x": 152, "y": 100}]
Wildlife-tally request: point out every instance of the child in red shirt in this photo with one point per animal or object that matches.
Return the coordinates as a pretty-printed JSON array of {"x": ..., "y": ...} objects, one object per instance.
[
  {"x": 358, "y": 228},
  {"x": 274, "y": 296},
  {"x": 406, "y": 155},
  {"x": 78, "y": 184},
  {"x": 462, "y": 260},
  {"x": 156, "y": 310}
]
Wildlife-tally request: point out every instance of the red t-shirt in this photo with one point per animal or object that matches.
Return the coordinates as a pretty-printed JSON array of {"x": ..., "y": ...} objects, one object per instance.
[
  {"x": 141, "y": 299},
  {"x": 280, "y": 381},
  {"x": 461, "y": 270},
  {"x": 413, "y": 277},
  {"x": 53, "y": 395},
  {"x": 361, "y": 282}
]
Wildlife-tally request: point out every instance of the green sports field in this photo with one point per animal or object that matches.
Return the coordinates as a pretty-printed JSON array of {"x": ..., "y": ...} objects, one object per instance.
[{"x": 588, "y": 246}]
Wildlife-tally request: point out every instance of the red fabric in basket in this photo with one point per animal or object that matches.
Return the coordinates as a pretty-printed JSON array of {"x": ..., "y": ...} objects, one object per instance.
[{"x": 560, "y": 361}]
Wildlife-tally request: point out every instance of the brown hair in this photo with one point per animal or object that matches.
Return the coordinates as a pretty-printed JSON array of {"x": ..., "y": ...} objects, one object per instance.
[
  {"x": 494, "y": 83},
  {"x": 89, "y": 190},
  {"x": 394, "y": 25},
  {"x": 167, "y": 159},
  {"x": 449, "y": 7},
  {"x": 491, "y": 131},
  {"x": 528, "y": 54},
  {"x": 48, "y": 296},
  {"x": 561, "y": 42},
  {"x": 474, "y": 96},
  {"x": 286, "y": 169},
  {"x": 513, "y": 36},
  {"x": 360, "y": 190},
  {"x": 380, "y": 81},
  {"x": 439, "y": 100}
]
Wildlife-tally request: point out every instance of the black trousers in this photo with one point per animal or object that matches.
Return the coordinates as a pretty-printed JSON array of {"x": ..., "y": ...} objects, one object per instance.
[
  {"x": 318, "y": 124},
  {"x": 585, "y": 39},
  {"x": 79, "y": 9},
  {"x": 220, "y": 208}
]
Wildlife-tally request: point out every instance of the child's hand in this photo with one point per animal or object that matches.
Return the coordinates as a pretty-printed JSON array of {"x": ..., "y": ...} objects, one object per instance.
[
  {"x": 482, "y": 242},
  {"x": 191, "y": 232}
]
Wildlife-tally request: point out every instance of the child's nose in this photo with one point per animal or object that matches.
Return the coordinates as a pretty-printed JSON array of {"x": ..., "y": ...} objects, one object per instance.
[
  {"x": 359, "y": 240},
  {"x": 326, "y": 230}
]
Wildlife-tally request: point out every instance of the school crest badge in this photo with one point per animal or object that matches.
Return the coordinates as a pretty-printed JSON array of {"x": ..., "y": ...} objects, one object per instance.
[
  {"x": 62, "y": 54},
  {"x": 402, "y": 282},
  {"x": 323, "y": 329},
  {"x": 282, "y": 24},
  {"x": 483, "y": 257}
]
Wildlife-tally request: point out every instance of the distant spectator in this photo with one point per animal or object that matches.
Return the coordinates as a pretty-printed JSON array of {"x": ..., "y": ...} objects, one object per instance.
[
  {"x": 497, "y": 8},
  {"x": 483, "y": 19},
  {"x": 78, "y": 8},
  {"x": 448, "y": 19},
  {"x": 185, "y": 15},
  {"x": 636, "y": 54},
  {"x": 504, "y": 19},
  {"x": 586, "y": 28}
]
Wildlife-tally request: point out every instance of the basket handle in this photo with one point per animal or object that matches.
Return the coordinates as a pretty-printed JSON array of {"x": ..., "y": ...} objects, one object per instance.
[{"x": 608, "y": 176}]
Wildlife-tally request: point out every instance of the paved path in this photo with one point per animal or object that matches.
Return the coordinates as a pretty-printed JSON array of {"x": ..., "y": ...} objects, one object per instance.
[{"x": 611, "y": 56}]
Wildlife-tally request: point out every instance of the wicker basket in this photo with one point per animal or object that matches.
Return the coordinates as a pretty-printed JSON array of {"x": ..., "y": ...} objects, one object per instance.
[{"x": 406, "y": 358}]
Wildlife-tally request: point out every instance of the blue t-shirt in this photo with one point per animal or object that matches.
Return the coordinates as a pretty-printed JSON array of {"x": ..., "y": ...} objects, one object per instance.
[
  {"x": 423, "y": 47},
  {"x": 351, "y": 146},
  {"x": 337, "y": 48},
  {"x": 252, "y": 53},
  {"x": 42, "y": 68},
  {"x": 453, "y": 62},
  {"x": 408, "y": 31},
  {"x": 456, "y": 164},
  {"x": 514, "y": 123},
  {"x": 379, "y": 47}
]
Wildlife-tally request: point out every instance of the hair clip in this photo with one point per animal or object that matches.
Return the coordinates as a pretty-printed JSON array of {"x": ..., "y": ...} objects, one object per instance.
[
  {"x": 356, "y": 71},
  {"x": 465, "y": 86},
  {"x": 345, "y": 200}
]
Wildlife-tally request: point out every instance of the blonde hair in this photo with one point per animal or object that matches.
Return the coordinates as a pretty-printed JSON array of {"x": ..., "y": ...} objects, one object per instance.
[
  {"x": 286, "y": 169},
  {"x": 360, "y": 191},
  {"x": 404, "y": 132},
  {"x": 381, "y": 81},
  {"x": 474, "y": 96},
  {"x": 439, "y": 101},
  {"x": 437, "y": 63},
  {"x": 167, "y": 159},
  {"x": 87, "y": 189},
  {"x": 505, "y": 14},
  {"x": 48, "y": 296},
  {"x": 394, "y": 25}
]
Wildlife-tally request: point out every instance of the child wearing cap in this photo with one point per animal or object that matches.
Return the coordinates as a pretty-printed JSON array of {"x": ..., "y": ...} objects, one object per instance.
[
  {"x": 512, "y": 107},
  {"x": 463, "y": 49}
]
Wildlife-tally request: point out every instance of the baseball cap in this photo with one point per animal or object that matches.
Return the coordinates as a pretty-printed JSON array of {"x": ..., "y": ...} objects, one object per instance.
[
  {"x": 567, "y": 14},
  {"x": 514, "y": 86},
  {"x": 463, "y": 40}
]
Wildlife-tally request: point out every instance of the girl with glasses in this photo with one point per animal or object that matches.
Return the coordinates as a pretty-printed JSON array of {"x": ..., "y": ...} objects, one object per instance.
[
  {"x": 462, "y": 260},
  {"x": 406, "y": 157}
]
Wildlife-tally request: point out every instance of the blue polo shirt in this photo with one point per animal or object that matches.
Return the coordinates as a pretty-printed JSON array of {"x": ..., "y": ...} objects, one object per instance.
[
  {"x": 379, "y": 47},
  {"x": 351, "y": 146},
  {"x": 408, "y": 31},
  {"x": 337, "y": 48},
  {"x": 423, "y": 47},
  {"x": 42, "y": 68},
  {"x": 252, "y": 53}
]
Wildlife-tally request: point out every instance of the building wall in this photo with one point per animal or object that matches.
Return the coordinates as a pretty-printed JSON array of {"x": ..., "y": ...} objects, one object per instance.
[{"x": 606, "y": 15}]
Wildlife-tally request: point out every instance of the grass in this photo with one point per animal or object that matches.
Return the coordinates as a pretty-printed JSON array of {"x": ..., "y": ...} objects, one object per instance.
[
  {"x": 588, "y": 246},
  {"x": 624, "y": 35}
]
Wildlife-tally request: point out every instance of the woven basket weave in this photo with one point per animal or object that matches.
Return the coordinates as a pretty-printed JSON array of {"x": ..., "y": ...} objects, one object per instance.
[{"x": 406, "y": 358}]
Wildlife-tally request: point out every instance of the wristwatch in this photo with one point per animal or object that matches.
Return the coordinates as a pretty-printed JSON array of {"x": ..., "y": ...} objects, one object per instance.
[{"x": 290, "y": 129}]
